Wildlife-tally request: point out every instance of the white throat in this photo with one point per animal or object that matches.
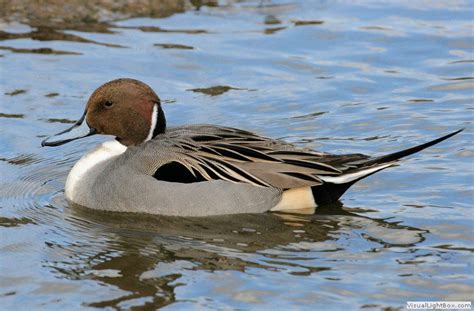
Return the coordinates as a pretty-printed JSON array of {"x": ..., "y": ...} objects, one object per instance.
[
  {"x": 82, "y": 173},
  {"x": 153, "y": 122}
]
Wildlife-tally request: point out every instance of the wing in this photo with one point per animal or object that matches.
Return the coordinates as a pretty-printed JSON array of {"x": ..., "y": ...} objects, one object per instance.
[{"x": 203, "y": 152}]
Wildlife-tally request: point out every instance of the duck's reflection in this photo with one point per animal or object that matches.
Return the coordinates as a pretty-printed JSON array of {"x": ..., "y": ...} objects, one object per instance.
[{"x": 145, "y": 256}]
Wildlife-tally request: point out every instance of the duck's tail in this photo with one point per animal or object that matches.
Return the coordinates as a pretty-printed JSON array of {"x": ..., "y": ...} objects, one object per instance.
[{"x": 335, "y": 186}]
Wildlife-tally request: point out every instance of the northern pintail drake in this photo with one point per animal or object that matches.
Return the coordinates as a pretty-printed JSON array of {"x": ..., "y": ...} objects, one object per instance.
[{"x": 198, "y": 170}]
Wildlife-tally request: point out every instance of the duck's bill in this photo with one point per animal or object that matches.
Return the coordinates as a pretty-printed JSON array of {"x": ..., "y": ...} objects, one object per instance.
[{"x": 79, "y": 130}]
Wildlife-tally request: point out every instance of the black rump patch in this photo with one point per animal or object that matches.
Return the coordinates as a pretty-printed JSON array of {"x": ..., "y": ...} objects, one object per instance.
[
  {"x": 177, "y": 172},
  {"x": 328, "y": 193}
]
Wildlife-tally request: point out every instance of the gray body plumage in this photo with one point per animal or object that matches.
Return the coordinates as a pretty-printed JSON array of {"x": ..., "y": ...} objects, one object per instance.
[
  {"x": 125, "y": 183},
  {"x": 123, "y": 186}
]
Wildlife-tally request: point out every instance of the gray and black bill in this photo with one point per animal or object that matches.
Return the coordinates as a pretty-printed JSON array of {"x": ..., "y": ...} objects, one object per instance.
[{"x": 79, "y": 130}]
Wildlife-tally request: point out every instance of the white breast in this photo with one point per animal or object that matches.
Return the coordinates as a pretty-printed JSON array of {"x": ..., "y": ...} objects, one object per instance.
[{"x": 81, "y": 173}]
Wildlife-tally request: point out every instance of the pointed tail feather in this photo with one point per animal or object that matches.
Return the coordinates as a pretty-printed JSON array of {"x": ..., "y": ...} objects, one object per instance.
[
  {"x": 335, "y": 186},
  {"x": 401, "y": 154}
]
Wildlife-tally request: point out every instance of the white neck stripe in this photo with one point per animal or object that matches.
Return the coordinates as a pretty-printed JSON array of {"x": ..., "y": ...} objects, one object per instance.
[{"x": 153, "y": 122}]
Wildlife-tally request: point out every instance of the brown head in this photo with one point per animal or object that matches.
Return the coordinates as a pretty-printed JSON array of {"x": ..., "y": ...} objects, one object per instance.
[{"x": 125, "y": 108}]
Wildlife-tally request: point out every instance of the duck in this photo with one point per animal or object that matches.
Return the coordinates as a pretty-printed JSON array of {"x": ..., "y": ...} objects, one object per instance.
[{"x": 199, "y": 170}]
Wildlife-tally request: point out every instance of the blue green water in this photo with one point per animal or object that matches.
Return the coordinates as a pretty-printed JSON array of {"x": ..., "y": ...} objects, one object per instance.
[{"x": 334, "y": 76}]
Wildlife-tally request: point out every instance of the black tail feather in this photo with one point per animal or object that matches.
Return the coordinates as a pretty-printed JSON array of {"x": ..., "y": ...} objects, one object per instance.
[
  {"x": 401, "y": 154},
  {"x": 328, "y": 193}
]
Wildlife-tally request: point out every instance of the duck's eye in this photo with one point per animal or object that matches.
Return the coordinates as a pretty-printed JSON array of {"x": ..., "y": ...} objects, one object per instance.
[{"x": 108, "y": 104}]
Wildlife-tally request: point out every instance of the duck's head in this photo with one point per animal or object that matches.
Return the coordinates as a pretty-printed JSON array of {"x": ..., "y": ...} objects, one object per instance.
[{"x": 125, "y": 108}]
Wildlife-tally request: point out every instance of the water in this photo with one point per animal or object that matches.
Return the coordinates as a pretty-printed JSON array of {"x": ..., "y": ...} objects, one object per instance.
[{"x": 334, "y": 76}]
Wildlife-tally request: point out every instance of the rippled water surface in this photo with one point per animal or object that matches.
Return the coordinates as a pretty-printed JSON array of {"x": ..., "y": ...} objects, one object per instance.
[{"x": 337, "y": 77}]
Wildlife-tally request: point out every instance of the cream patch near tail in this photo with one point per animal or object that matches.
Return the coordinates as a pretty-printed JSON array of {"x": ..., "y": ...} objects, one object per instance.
[{"x": 295, "y": 199}]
